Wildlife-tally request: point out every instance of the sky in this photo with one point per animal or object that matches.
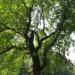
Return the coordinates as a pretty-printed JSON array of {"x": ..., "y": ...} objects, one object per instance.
[{"x": 71, "y": 55}]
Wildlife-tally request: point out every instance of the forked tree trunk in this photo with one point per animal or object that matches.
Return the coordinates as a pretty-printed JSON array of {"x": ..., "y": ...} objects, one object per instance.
[{"x": 34, "y": 55}]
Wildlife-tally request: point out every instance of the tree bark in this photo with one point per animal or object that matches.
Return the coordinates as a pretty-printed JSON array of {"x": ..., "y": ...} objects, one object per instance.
[
  {"x": 36, "y": 62},
  {"x": 34, "y": 54}
]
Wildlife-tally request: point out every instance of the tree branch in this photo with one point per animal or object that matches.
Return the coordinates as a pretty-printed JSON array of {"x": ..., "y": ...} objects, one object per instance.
[
  {"x": 6, "y": 49},
  {"x": 59, "y": 27},
  {"x": 6, "y": 27},
  {"x": 39, "y": 42},
  {"x": 46, "y": 37},
  {"x": 29, "y": 11},
  {"x": 47, "y": 49},
  {"x": 28, "y": 24},
  {"x": 25, "y": 5},
  {"x": 1, "y": 30},
  {"x": 58, "y": 31},
  {"x": 43, "y": 18}
]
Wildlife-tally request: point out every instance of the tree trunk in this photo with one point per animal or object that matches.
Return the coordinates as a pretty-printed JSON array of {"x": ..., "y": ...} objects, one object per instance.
[
  {"x": 34, "y": 55},
  {"x": 36, "y": 62},
  {"x": 36, "y": 65}
]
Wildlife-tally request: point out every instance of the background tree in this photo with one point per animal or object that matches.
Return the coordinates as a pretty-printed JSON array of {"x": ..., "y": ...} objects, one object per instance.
[{"x": 35, "y": 33}]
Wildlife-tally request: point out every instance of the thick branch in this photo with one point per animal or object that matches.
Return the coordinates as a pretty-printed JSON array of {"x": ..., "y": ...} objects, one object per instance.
[
  {"x": 29, "y": 11},
  {"x": 46, "y": 37},
  {"x": 39, "y": 42},
  {"x": 6, "y": 27},
  {"x": 6, "y": 49},
  {"x": 1, "y": 30}
]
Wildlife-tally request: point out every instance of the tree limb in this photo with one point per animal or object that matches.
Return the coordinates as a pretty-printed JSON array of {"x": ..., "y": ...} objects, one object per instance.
[
  {"x": 57, "y": 33},
  {"x": 6, "y": 27},
  {"x": 46, "y": 50},
  {"x": 25, "y": 5},
  {"x": 1, "y": 30},
  {"x": 46, "y": 37},
  {"x": 6, "y": 49},
  {"x": 59, "y": 27},
  {"x": 29, "y": 11},
  {"x": 39, "y": 42}
]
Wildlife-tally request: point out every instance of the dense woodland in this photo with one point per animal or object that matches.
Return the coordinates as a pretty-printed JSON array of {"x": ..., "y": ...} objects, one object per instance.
[{"x": 35, "y": 37}]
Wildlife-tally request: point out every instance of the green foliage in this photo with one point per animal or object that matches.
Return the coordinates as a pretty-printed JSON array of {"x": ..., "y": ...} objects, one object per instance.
[{"x": 18, "y": 18}]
